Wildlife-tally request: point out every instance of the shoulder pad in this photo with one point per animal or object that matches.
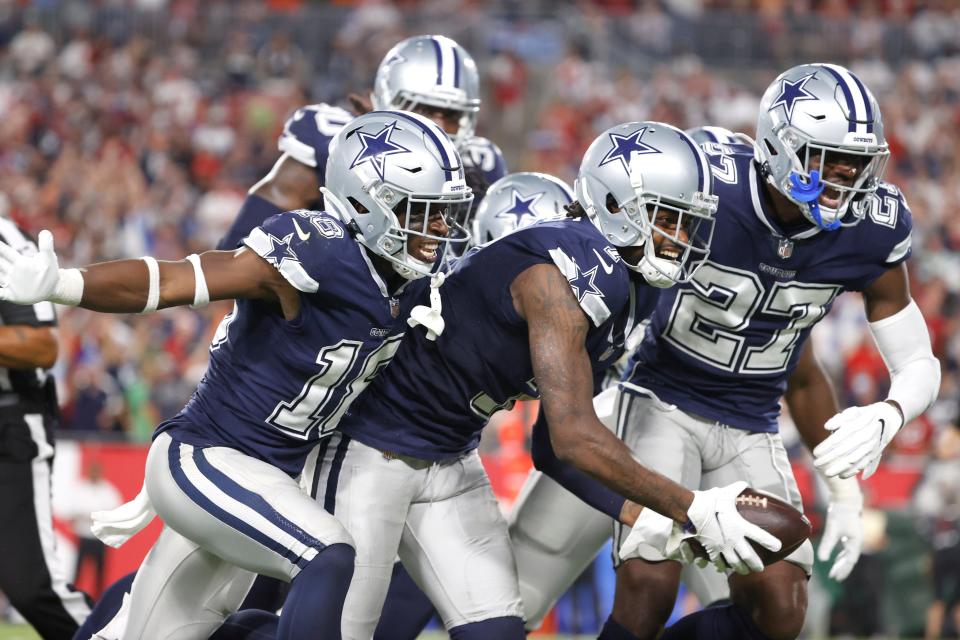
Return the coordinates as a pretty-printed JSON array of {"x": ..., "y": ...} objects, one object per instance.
[
  {"x": 300, "y": 244},
  {"x": 888, "y": 213},
  {"x": 483, "y": 154},
  {"x": 594, "y": 269},
  {"x": 307, "y": 133}
]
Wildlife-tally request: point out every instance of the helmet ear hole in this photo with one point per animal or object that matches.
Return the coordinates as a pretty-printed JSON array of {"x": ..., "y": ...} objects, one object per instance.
[
  {"x": 770, "y": 148},
  {"x": 356, "y": 205},
  {"x": 611, "y": 204}
]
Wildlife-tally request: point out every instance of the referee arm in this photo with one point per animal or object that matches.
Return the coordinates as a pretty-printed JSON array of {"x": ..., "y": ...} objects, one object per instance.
[{"x": 26, "y": 347}]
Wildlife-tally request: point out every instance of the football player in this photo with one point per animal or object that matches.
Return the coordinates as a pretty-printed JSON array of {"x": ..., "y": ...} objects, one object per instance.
[
  {"x": 518, "y": 200},
  {"x": 321, "y": 306},
  {"x": 430, "y": 75},
  {"x": 542, "y": 311},
  {"x": 804, "y": 215}
]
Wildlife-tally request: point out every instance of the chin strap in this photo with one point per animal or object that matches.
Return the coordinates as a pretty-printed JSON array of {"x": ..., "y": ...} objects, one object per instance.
[
  {"x": 430, "y": 317},
  {"x": 809, "y": 193}
]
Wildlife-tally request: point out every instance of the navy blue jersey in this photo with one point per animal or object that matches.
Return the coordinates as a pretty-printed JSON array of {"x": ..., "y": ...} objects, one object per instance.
[
  {"x": 273, "y": 386},
  {"x": 723, "y": 345},
  {"x": 483, "y": 154},
  {"x": 435, "y": 398},
  {"x": 308, "y": 132}
]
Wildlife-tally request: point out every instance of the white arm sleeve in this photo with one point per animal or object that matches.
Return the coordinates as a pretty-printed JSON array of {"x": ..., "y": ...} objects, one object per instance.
[{"x": 904, "y": 343}]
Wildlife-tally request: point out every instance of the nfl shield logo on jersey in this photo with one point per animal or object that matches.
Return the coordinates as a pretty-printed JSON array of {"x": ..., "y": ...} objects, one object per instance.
[
  {"x": 785, "y": 248},
  {"x": 394, "y": 307}
]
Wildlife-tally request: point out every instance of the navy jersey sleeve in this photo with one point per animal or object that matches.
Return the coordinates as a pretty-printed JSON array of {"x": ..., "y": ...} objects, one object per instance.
[
  {"x": 307, "y": 134},
  {"x": 885, "y": 232},
  {"x": 573, "y": 480},
  {"x": 303, "y": 245},
  {"x": 485, "y": 155}
]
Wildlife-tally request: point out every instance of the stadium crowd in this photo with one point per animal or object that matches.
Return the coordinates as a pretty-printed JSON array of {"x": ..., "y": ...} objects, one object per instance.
[{"x": 135, "y": 128}]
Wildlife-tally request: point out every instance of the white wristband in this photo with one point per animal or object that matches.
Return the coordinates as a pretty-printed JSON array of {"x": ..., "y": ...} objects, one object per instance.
[
  {"x": 69, "y": 289},
  {"x": 153, "y": 294},
  {"x": 201, "y": 296}
]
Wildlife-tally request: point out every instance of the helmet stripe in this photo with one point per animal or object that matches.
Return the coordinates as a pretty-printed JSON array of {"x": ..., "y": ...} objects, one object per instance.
[
  {"x": 854, "y": 100},
  {"x": 866, "y": 102},
  {"x": 437, "y": 51},
  {"x": 456, "y": 68},
  {"x": 448, "y": 166},
  {"x": 702, "y": 171}
]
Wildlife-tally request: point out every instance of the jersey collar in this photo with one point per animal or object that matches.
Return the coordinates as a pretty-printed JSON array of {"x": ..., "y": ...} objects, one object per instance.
[
  {"x": 376, "y": 275},
  {"x": 766, "y": 217}
]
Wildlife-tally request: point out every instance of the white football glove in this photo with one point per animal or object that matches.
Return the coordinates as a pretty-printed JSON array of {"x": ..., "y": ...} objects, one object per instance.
[
  {"x": 859, "y": 436},
  {"x": 844, "y": 526},
  {"x": 661, "y": 533},
  {"x": 724, "y": 533},
  {"x": 28, "y": 278}
]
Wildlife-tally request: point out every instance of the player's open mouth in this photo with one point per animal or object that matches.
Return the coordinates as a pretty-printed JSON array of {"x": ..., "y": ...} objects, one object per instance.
[
  {"x": 668, "y": 252},
  {"x": 427, "y": 251},
  {"x": 830, "y": 198}
]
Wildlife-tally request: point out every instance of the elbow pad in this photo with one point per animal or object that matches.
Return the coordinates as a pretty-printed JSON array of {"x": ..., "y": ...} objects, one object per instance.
[{"x": 904, "y": 344}]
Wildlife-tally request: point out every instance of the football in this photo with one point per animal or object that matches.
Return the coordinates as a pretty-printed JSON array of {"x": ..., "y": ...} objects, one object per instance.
[{"x": 774, "y": 515}]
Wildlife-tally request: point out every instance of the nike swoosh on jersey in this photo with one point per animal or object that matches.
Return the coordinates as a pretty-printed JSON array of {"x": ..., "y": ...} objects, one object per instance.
[
  {"x": 607, "y": 268},
  {"x": 300, "y": 234}
]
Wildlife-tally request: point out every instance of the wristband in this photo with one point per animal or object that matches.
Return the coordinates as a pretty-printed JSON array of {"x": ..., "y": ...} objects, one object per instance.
[{"x": 69, "y": 289}]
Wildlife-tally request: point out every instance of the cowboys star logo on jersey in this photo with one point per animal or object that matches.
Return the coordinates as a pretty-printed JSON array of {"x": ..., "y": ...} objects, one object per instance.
[
  {"x": 582, "y": 283},
  {"x": 376, "y": 148},
  {"x": 280, "y": 250},
  {"x": 625, "y": 146}
]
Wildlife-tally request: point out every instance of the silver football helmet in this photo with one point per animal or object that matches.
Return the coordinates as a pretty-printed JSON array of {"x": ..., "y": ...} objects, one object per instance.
[
  {"x": 430, "y": 70},
  {"x": 517, "y": 200},
  {"x": 809, "y": 116},
  {"x": 389, "y": 174},
  {"x": 632, "y": 175}
]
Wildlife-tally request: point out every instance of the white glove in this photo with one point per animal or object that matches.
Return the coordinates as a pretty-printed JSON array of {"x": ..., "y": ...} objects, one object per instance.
[
  {"x": 661, "y": 533},
  {"x": 858, "y": 439},
  {"x": 724, "y": 533},
  {"x": 844, "y": 526},
  {"x": 28, "y": 278}
]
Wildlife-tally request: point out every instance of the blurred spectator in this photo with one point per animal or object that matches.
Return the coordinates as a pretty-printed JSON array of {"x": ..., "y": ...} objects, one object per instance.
[
  {"x": 937, "y": 505},
  {"x": 90, "y": 494}
]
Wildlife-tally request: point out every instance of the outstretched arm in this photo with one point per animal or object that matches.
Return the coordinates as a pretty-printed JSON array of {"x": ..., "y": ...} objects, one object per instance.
[
  {"x": 130, "y": 286},
  {"x": 558, "y": 330}
]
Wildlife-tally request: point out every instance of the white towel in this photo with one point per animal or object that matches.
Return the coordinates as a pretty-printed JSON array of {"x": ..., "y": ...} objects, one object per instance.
[{"x": 116, "y": 526}]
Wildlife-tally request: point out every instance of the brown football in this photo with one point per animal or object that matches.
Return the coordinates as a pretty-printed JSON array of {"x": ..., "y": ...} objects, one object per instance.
[{"x": 774, "y": 515}]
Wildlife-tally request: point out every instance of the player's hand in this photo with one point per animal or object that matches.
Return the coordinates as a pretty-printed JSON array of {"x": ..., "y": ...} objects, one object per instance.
[
  {"x": 843, "y": 527},
  {"x": 724, "y": 533},
  {"x": 659, "y": 532},
  {"x": 359, "y": 104},
  {"x": 859, "y": 436},
  {"x": 29, "y": 278}
]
